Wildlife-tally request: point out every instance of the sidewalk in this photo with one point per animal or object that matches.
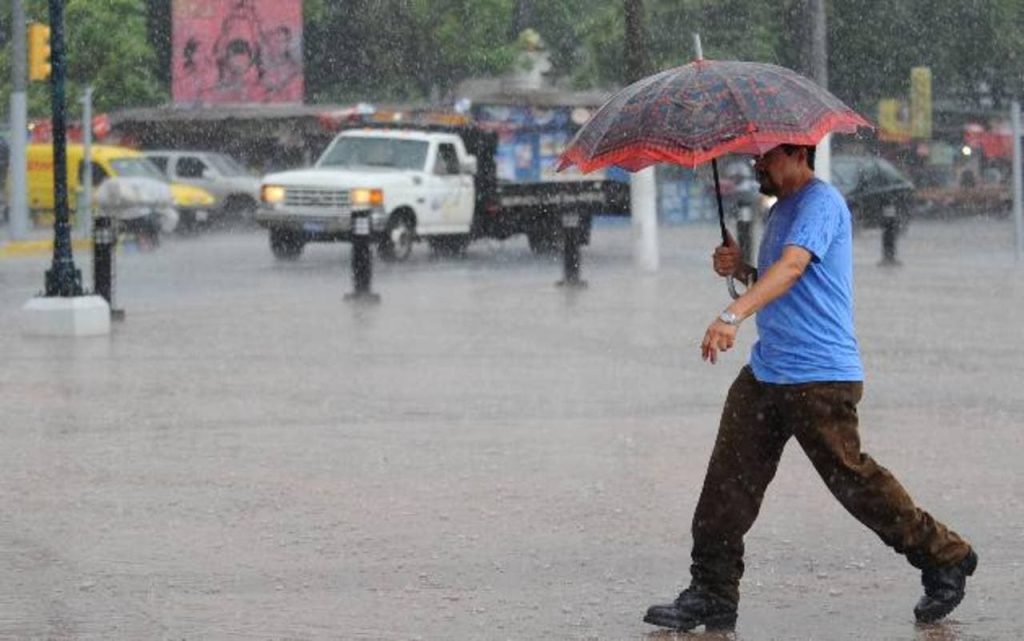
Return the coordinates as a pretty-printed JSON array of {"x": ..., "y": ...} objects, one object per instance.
[
  {"x": 483, "y": 455},
  {"x": 38, "y": 241}
]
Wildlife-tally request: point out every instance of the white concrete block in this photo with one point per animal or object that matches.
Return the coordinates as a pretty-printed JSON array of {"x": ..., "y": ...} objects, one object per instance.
[{"x": 66, "y": 316}]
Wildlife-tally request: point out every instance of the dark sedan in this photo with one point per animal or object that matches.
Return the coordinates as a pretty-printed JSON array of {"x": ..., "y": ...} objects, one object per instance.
[{"x": 873, "y": 188}]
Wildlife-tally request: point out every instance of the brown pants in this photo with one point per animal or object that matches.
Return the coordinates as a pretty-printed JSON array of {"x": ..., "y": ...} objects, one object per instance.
[{"x": 758, "y": 420}]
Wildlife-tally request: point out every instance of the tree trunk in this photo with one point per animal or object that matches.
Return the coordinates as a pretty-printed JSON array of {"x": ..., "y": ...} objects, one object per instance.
[{"x": 638, "y": 63}]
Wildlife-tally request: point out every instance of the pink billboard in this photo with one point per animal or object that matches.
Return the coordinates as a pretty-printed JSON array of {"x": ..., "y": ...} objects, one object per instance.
[{"x": 236, "y": 51}]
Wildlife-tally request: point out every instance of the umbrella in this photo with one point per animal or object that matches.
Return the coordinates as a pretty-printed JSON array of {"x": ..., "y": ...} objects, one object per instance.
[{"x": 697, "y": 112}]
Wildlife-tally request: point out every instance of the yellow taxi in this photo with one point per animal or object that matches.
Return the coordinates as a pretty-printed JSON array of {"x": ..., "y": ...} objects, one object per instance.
[{"x": 107, "y": 161}]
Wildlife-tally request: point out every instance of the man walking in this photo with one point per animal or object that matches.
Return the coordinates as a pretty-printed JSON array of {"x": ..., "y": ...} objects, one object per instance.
[{"x": 804, "y": 380}]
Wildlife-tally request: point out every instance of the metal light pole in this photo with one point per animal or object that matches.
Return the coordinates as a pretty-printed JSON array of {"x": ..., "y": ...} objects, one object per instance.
[
  {"x": 17, "y": 199},
  {"x": 63, "y": 279},
  {"x": 523, "y": 16},
  {"x": 85, "y": 206},
  {"x": 817, "y": 64},
  {"x": 638, "y": 63},
  {"x": 643, "y": 185},
  {"x": 1018, "y": 206}
]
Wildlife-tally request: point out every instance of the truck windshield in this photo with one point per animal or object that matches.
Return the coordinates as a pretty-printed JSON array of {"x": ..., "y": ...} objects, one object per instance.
[
  {"x": 137, "y": 168},
  {"x": 352, "y": 151}
]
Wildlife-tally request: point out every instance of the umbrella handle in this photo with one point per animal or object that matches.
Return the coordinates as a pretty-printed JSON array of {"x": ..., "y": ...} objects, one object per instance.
[{"x": 730, "y": 282}]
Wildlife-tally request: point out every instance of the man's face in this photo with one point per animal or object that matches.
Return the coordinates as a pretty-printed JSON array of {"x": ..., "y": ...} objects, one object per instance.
[
  {"x": 771, "y": 168},
  {"x": 277, "y": 43},
  {"x": 239, "y": 63}
]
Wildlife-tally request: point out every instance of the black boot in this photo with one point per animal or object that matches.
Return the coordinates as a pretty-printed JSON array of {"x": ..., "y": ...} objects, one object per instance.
[
  {"x": 694, "y": 607},
  {"x": 944, "y": 588}
]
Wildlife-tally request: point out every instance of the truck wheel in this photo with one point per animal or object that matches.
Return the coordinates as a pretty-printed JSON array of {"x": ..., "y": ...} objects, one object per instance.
[
  {"x": 396, "y": 245},
  {"x": 239, "y": 209},
  {"x": 285, "y": 245}
]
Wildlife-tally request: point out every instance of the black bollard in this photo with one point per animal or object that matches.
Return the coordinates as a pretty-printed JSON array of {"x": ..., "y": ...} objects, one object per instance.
[
  {"x": 890, "y": 230},
  {"x": 571, "y": 234},
  {"x": 362, "y": 260},
  {"x": 104, "y": 246}
]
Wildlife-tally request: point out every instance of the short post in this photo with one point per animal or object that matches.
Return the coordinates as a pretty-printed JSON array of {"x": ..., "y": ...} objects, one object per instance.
[
  {"x": 362, "y": 259},
  {"x": 890, "y": 229},
  {"x": 104, "y": 246},
  {"x": 571, "y": 251}
]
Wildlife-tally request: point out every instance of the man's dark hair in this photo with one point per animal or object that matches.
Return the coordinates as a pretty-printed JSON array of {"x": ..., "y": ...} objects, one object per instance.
[
  {"x": 791, "y": 149},
  {"x": 238, "y": 46}
]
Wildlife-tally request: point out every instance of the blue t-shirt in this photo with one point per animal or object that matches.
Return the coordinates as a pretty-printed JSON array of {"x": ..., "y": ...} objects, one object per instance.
[{"x": 806, "y": 335}]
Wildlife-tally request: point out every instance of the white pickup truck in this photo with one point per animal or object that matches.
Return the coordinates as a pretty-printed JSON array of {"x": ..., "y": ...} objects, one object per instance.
[{"x": 420, "y": 183}]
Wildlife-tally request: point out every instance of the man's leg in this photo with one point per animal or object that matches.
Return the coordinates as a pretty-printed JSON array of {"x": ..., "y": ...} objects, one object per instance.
[
  {"x": 823, "y": 417},
  {"x": 744, "y": 460},
  {"x": 746, "y": 454}
]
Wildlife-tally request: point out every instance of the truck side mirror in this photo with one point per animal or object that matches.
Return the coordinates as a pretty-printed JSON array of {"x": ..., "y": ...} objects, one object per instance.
[{"x": 469, "y": 165}]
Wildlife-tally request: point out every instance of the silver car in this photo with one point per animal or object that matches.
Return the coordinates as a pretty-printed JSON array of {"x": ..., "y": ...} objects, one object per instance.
[{"x": 236, "y": 190}]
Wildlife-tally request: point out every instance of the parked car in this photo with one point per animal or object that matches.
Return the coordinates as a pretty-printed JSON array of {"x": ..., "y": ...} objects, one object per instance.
[
  {"x": 108, "y": 161},
  {"x": 237, "y": 192},
  {"x": 873, "y": 188},
  {"x": 949, "y": 194}
]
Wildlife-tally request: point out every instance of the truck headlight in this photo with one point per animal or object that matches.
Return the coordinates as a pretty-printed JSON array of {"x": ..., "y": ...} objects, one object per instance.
[
  {"x": 272, "y": 194},
  {"x": 367, "y": 197}
]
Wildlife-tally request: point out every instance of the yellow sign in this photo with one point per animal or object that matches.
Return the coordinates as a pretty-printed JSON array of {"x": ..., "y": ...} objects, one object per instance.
[
  {"x": 921, "y": 102},
  {"x": 893, "y": 120}
]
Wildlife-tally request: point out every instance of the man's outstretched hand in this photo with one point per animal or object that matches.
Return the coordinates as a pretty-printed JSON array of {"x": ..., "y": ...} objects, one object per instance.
[{"x": 719, "y": 337}]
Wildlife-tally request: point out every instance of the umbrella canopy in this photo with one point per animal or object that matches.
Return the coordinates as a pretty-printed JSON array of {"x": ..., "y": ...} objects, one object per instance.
[{"x": 696, "y": 112}]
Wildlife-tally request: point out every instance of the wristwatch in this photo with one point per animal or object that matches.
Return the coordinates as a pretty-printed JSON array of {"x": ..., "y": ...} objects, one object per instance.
[{"x": 729, "y": 318}]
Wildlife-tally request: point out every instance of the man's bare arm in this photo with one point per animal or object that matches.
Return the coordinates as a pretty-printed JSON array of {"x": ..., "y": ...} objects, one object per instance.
[
  {"x": 775, "y": 282},
  {"x": 780, "y": 277}
]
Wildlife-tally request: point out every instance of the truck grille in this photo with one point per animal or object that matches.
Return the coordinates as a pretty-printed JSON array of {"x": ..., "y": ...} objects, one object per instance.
[{"x": 318, "y": 198}]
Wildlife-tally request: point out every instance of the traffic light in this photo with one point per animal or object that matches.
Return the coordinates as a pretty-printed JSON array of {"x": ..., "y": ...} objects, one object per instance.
[{"x": 38, "y": 51}]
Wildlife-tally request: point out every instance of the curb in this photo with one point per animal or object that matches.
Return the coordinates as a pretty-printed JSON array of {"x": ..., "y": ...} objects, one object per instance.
[{"x": 22, "y": 248}]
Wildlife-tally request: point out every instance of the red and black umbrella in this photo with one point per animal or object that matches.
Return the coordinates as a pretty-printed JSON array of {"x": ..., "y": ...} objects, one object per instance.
[
  {"x": 705, "y": 109},
  {"x": 708, "y": 108}
]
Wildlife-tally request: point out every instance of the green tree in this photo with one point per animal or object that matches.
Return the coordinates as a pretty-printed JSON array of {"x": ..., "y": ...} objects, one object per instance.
[
  {"x": 975, "y": 49},
  {"x": 106, "y": 47},
  {"x": 560, "y": 25},
  {"x": 968, "y": 45},
  {"x": 402, "y": 49},
  {"x": 729, "y": 29},
  {"x": 121, "y": 69},
  {"x": 465, "y": 38}
]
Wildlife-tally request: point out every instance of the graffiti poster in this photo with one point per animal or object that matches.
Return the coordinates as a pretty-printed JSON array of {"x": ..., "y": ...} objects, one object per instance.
[{"x": 237, "y": 51}]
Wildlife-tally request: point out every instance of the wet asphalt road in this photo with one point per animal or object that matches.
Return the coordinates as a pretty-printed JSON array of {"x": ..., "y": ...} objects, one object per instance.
[{"x": 483, "y": 455}]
